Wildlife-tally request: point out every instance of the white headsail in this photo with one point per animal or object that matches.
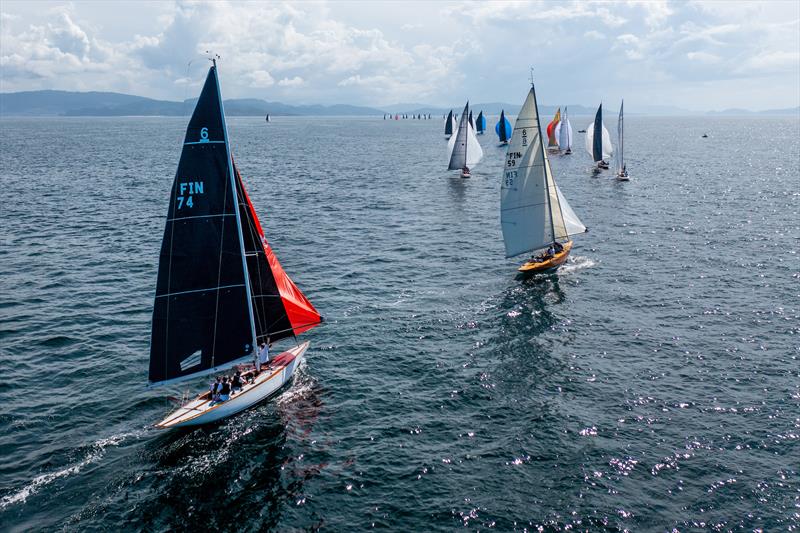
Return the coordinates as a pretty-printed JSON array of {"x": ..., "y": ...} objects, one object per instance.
[
  {"x": 608, "y": 148},
  {"x": 571, "y": 221},
  {"x": 464, "y": 148},
  {"x": 531, "y": 211},
  {"x": 564, "y": 132}
]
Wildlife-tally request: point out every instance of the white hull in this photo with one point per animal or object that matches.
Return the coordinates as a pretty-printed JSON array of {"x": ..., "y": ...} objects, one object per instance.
[{"x": 200, "y": 411}]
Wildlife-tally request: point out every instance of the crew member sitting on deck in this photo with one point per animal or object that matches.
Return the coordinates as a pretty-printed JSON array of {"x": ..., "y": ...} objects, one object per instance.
[
  {"x": 225, "y": 390},
  {"x": 236, "y": 382},
  {"x": 558, "y": 247}
]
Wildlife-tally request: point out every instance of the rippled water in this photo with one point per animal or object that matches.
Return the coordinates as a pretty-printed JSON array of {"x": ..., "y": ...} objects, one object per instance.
[{"x": 653, "y": 383}]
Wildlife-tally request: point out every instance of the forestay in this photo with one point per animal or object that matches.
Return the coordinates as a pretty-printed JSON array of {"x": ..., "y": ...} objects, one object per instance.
[{"x": 530, "y": 211}]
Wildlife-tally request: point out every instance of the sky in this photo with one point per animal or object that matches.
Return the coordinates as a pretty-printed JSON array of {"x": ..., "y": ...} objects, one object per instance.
[{"x": 695, "y": 54}]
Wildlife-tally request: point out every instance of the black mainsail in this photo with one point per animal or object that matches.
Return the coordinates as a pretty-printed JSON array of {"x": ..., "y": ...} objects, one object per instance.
[
  {"x": 448, "y": 126},
  {"x": 597, "y": 139},
  {"x": 202, "y": 316}
]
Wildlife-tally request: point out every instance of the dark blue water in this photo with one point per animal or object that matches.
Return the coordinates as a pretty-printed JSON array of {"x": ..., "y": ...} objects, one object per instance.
[{"x": 652, "y": 384}]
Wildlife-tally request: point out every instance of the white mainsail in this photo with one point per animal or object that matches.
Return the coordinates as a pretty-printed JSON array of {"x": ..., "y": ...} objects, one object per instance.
[
  {"x": 564, "y": 132},
  {"x": 464, "y": 148},
  {"x": 531, "y": 212},
  {"x": 620, "y": 158}
]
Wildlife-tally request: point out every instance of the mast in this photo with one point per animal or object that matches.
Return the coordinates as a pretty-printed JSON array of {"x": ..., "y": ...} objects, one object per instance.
[
  {"x": 546, "y": 160},
  {"x": 620, "y": 134},
  {"x": 247, "y": 286},
  {"x": 466, "y": 137}
]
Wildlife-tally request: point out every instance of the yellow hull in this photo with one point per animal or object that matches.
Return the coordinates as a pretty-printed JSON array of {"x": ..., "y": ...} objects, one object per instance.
[{"x": 552, "y": 263}]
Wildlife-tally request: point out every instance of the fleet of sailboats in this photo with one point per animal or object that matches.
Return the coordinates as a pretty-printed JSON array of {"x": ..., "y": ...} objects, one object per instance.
[
  {"x": 534, "y": 214},
  {"x": 598, "y": 141},
  {"x": 220, "y": 290},
  {"x": 503, "y": 128},
  {"x": 464, "y": 149}
]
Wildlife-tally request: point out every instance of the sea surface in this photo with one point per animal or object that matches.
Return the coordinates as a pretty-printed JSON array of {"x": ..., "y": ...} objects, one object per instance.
[{"x": 652, "y": 384}]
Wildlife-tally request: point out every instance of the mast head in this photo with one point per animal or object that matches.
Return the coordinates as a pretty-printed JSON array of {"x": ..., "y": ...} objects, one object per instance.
[
  {"x": 213, "y": 57},
  {"x": 531, "y": 77}
]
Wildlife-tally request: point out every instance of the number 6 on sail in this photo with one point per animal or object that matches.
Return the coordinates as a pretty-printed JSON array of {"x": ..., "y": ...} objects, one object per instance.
[{"x": 221, "y": 292}]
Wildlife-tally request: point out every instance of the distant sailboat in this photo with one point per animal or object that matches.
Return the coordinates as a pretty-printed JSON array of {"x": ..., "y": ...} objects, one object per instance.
[
  {"x": 598, "y": 141},
  {"x": 464, "y": 149},
  {"x": 220, "y": 291},
  {"x": 622, "y": 171},
  {"x": 480, "y": 123},
  {"x": 552, "y": 139},
  {"x": 267, "y": 117},
  {"x": 564, "y": 133},
  {"x": 533, "y": 213},
  {"x": 449, "y": 125},
  {"x": 471, "y": 122},
  {"x": 503, "y": 128}
]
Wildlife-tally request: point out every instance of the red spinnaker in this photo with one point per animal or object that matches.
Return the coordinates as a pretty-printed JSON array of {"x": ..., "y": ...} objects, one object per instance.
[{"x": 301, "y": 314}]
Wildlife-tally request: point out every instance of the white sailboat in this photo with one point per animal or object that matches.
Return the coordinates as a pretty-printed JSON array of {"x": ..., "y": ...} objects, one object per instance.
[
  {"x": 534, "y": 214},
  {"x": 564, "y": 133},
  {"x": 622, "y": 171},
  {"x": 598, "y": 141},
  {"x": 220, "y": 290},
  {"x": 464, "y": 149}
]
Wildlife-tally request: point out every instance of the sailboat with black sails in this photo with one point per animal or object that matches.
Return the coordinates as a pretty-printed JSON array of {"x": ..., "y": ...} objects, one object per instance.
[{"x": 220, "y": 291}]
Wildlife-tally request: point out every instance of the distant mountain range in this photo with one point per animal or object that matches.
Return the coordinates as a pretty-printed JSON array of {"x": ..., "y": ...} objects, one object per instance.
[
  {"x": 101, "y": 104},
  {"x": 67, "y": 103}
]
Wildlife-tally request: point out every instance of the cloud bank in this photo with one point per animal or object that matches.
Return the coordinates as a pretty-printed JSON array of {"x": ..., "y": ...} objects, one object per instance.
[{"x": 696, "y": 54}]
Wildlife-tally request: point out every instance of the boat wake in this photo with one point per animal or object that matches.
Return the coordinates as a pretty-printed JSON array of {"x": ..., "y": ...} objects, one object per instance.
[
  {"x": 576, "y": 264},
  {"x": 302, "y": 387},
  {"x": 96, "y": 452}
]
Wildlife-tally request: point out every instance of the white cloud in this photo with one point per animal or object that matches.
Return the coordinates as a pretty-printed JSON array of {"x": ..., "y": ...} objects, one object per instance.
[
  {"x": 703, "y": 57},
  {"x": 594, "y": 34},
  {"x": 296, "y": 81},
  {"x": 328, "y": 53},
  {"x": 260, "y": 79}
]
